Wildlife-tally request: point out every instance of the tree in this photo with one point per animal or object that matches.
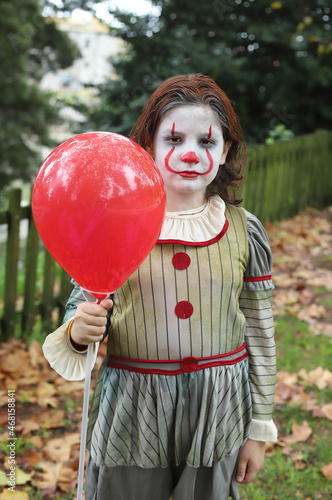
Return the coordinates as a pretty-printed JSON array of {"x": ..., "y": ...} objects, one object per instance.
[
  {"x": 30, "y": 45},
  {"x": 273, "y": 60}
]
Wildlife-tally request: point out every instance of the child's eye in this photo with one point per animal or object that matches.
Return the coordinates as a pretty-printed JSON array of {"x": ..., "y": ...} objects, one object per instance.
[
  {"x": 174, "y": 139},
  {"x": 206, "y": 142}
]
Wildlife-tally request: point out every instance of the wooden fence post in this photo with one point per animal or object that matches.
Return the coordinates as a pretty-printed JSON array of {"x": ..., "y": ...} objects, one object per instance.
[
  {"x": 12, "y": 254},
  {"x": 47, "y": 303},
  {"x": 29, "y": 309}
]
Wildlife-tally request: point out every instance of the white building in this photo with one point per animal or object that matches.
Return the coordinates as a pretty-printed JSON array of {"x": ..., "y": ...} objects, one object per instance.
[{"x": 96, "y": 46}]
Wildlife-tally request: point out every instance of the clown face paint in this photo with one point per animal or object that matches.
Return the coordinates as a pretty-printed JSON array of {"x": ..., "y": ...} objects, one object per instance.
[{"x": 188, "y": 148}]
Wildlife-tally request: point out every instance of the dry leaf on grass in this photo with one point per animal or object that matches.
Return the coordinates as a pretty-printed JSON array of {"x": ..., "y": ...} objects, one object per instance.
[
  {"x": 30, "y": 458},
  {"x": 52, "y": 420},
  {"x": 58, "y": 450},
  {"x": 300, "y": 433},
  {"x": 45, "y": 395},
  {"x": 319, "y": 377},
  {"x": 36, "y": 354},
  {"x": 28, "y": 426},
  {"x": 327, "y": 411},
  {"x": 327, "y": 471},
  {"x": 21, "y": 477},
  {"x": 17, "y": 495},
  {"x": 48, "y": 478}
]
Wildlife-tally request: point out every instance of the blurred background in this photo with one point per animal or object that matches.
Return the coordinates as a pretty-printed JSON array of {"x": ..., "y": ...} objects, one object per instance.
[
  {"x": 75, "y": 65},
  {"x": 71, "y": 66}
]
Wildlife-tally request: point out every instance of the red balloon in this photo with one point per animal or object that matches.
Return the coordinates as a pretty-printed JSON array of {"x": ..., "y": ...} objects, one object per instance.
[{"x": 99, "y": 202}]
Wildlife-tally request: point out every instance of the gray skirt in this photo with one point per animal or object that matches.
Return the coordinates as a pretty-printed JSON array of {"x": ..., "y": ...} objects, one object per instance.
[
  {"x": 179, "y": 482},
  {"x": 150, "y": 420}
]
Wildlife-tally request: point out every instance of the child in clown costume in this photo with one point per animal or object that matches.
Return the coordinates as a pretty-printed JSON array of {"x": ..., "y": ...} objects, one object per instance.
[{"x": 183, "y": 402}]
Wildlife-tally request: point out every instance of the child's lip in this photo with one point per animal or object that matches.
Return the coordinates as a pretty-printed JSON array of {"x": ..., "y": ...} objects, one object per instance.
[{"x": 189, "y": 173}]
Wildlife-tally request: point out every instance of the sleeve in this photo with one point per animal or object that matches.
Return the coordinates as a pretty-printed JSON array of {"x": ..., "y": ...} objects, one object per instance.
[
  {"x": 59, "y": 352},
  {"x": 256, "y": 305}
]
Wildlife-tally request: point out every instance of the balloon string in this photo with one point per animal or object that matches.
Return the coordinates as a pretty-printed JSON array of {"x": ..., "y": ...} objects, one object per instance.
[
  {"x": 85, "y": 411},
  {"x": 84, "y": 421}
]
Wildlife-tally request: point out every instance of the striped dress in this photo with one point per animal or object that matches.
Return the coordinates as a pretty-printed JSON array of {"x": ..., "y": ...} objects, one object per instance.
[{"x": 188, "y": 301}]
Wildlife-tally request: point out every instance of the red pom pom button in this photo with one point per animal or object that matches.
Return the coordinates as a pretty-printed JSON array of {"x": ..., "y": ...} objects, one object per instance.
[
  {"x": 184, "y": 309},
  {"x": 181, "y": 260},
  {"x": 189, "y": 364}
]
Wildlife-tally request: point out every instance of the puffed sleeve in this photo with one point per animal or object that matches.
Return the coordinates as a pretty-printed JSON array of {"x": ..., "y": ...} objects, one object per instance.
[
  {"x": 258, "y": 272},
  {"x": 256, "y": 305},
  {"x": 59, "y": 352}
]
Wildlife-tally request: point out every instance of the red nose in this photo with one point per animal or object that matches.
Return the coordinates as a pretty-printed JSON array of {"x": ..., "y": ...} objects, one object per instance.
[{"x": 190, "y": 157}]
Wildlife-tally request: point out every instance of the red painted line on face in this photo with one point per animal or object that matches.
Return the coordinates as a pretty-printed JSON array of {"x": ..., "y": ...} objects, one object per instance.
[
  {"x": 210, "y": 132},
  {"x": 167, "y": 161},
  {"x": 187, "y": 173},
  {"x": 173, "y": 129},
  {"x": 211, "y": 162}
]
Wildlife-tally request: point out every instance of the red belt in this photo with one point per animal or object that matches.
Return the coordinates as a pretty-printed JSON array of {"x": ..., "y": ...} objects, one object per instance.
[{"x": 177, "y": 366}]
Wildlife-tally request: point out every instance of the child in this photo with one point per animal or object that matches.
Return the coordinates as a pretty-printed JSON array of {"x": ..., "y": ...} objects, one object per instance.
[{"x": 183, "y": 401}]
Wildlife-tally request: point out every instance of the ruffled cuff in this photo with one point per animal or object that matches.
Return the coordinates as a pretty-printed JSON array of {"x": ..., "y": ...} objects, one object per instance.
[
  {"x": 67, "y": 362},
  {"x": 263, "y": 430}
]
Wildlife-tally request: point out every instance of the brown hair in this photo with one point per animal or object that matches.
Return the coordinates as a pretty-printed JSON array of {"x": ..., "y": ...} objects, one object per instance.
[{"x": 201, "y": 90}]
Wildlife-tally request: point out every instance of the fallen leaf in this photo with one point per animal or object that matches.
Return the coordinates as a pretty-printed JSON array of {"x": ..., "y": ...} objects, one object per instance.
[
  {"x": 3, "y": 478},
  {"x": 30, "y": 458},
  {"x": 36, "y": 354},
  {"x": 327, "y": 471},
  {"x": 323, "y": 328},
  {"x": 58, "y": 450},
  {"x": 73, "y": 438},
  {"x": 66, "y": 388},
  {"x": 48, "y": 478},
  {"x": 287, "y": 378},
  {"x": 300, "y": 465},
  {"x": 22, "y": 477},
  {"x": 3, "y": 398},
  {"x": 327, "y": 411},
  {"x": 16, "y": 363},
  {"x": 319, "y": 377},
  {"x": 14, "y": 495},
  {"x": 36, "y": 441},
  {"x": 67, "y": 479},
  {"x": 52, "y": 420},
  {"x": 28, "y": 426},
  {"x": 45, "y": 395},
  {"x": 300, "y": 433},
  {"x": 318, "y": 413}
]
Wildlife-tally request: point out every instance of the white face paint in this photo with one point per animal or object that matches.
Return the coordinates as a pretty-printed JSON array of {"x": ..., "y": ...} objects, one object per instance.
[{"x": 188, "y": 148}]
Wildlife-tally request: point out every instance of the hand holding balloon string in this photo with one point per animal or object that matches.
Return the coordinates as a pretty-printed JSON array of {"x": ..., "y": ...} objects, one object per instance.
[{"x": 89, "y": 323}]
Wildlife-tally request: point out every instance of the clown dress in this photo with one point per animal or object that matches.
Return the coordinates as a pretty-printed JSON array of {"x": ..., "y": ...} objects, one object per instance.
[{"x": 190, "y": 368}]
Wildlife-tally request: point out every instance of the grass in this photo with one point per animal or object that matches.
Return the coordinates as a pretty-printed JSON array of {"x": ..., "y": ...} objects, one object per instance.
[
  {"x": 280, "y": 480},
  {"x": 298, "y": 347}
]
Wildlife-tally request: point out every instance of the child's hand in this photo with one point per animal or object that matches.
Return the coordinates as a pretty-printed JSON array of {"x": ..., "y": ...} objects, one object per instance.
[
  {"x": 89, "y": 323},
  {"x": 250, "y": 462}
]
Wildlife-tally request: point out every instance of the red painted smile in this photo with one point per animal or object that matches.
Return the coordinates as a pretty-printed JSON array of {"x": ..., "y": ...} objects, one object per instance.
[{"x": 188, "y": 173}]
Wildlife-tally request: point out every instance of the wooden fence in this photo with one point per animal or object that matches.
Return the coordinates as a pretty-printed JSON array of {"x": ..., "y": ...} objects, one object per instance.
[
  {"x": 283, "y": 179},
  {"x": 39, "y": 299}
]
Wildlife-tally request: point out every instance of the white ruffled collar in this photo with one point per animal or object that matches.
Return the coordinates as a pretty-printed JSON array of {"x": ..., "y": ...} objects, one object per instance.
[{"x": 200, "y": 225}]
